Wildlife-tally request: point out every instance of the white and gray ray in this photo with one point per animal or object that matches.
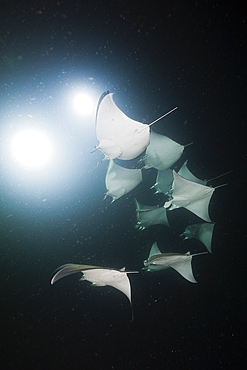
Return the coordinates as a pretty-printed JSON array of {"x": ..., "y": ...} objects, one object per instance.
[{"x": 180, "y": 262}]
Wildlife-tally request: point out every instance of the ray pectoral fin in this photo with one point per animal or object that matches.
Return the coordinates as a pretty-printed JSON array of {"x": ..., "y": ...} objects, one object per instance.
[
  {"x": 66, "y": 270},
  {"x": 154, "y": 250},
  {"x": 184, "y": 268},
  {"x": 122, "y": 283}
]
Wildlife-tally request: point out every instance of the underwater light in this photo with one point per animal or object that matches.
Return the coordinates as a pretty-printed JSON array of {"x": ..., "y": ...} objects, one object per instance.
[
  {"x": 83, "y": 104},
  {"x": 31, "y": 148}
]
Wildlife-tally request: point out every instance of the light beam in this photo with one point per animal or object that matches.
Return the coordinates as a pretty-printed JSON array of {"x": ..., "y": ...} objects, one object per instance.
[
  {"x": 31, "y": 148},
  {"x": 83, "y": 104}
]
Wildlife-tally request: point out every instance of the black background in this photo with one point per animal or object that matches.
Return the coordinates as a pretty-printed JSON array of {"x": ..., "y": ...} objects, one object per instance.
[{"x": 153, "y": 55}]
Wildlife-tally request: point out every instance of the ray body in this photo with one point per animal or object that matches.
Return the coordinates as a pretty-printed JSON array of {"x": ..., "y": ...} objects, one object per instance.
[
  {"x": 150, "y": 215},
  {"x": 118, "y": 135},
  {"x": 202, "y": 232},
  {"x": 190, "y": 195},
  {"x": 162, "y": 152},
  {"x": 98, "y": 276},
  {"x": 161, "y": 261},
  {"x": 120, "y": 180}
]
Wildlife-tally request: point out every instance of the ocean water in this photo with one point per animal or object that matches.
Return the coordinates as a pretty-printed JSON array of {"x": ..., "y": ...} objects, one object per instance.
[{"x": 152, "y": 58}]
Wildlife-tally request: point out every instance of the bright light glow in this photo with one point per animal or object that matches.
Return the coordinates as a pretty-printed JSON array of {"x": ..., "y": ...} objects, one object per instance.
[
  {"x": 31, "y": 148},
  {"x": 83, "y": 104}
]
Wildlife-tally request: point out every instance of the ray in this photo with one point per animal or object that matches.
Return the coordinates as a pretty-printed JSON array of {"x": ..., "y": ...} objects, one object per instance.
[
  {"x": 190, "y": 195},
  {"x": 98, "y": 276},
  {"x": 202, "y": 232},
  {"x": 120, "y": 181},
  {"x": 118, "y": 135},
  {"x": 180, "y": 262},
  {"x": 150, "y": 215},
  {"x": 162, "y": 152}
]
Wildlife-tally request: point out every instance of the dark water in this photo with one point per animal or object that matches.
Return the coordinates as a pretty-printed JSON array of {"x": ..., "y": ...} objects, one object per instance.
[{"x": 153, "y": 58}]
